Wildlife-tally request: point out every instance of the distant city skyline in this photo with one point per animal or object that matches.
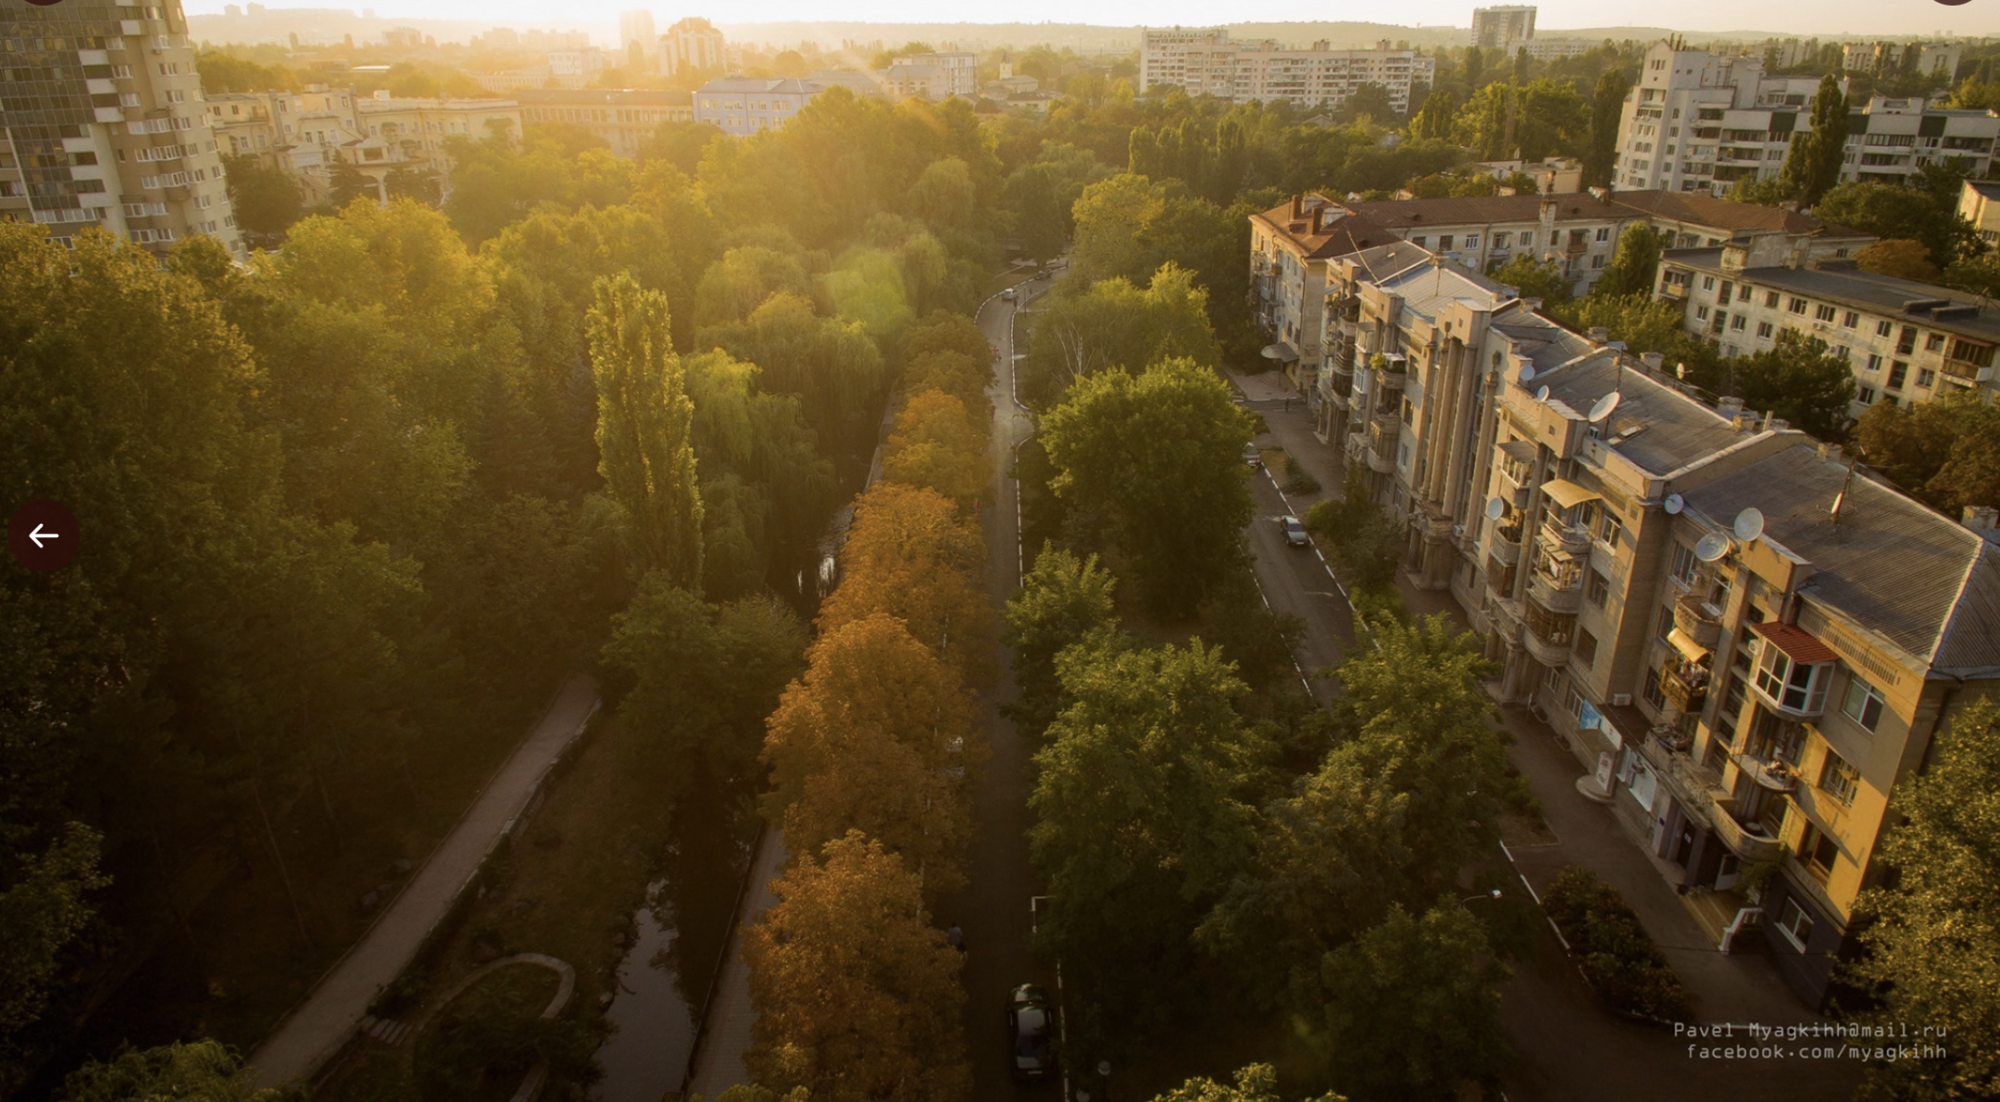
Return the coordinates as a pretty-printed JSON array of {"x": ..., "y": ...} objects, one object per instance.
[{"x": 1889, "y": 18}]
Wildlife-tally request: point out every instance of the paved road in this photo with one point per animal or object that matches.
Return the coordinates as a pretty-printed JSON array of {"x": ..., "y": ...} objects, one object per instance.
[
  {"x": 315, "y": 1029},
  {"x": 1297, "y": 580},
  {"x": 993, "y": 908}
]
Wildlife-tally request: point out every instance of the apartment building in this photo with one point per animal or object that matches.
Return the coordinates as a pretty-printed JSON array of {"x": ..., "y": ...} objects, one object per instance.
[
  {"x": 576, "y": 68},
  {"x": 693, "y": 46},
  {"x": 1554, "y": 176},
  {"x": 414, "y": 134},
  {"x": 1889, "y": 58},
  {"x": 1979, "y": 204},
  {"x": 102, "y": 124},
  {"x": 1696, "y": 121},
  {"x": 1206, "y": 62},
  {"x": 936, "y": 76},
  {"x": 1289, "y": 250},
  {"x": 1906, "y": 341},
  {"x": 1502, "y": 28},
  {"x": 1745, "y": 642},
  {"x": 638, "y": 39},
  {"x": 623, "y": 118},
  {"x": 745, "y": 105}
]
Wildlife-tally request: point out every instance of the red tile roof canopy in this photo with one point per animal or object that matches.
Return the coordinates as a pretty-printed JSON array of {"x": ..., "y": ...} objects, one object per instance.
[{"x": 1796, "y": 643}]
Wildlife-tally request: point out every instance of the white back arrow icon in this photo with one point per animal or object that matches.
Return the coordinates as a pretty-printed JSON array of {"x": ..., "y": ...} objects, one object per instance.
[{"x": 38, "y": 536}]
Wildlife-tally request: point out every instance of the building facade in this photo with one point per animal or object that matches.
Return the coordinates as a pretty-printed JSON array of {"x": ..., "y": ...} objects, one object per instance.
[
  {"x": 104, "y": 125},
  {"x": 692, "y": 46},
  {"x": 1745, "y": 642},
  {"x": 623, "y": 118},
  {"x": 1207, "y": 62},
  {"x": 638, "y": 40},
  {"x": 1696, "y": 121},
  {"x": 931, "y": 76},
  {"x": 742, "y": 106},
  {"x": 1907, "y": 342},
  {"x": 1502, "y": 28},
  {"x": 1979, "y": 204}
]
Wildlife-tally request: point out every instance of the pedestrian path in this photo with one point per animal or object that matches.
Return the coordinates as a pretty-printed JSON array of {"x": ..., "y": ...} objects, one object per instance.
[
  {"x": 725, "y": 1030},
  {"x": 317, "y": 1027}
]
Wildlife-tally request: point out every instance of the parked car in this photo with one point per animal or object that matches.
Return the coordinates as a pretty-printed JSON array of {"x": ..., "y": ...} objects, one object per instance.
[
  {"x": 1008, "y": 294},
  {"x": 1252, "y": 458},
  {"x": 1295, "y": 531},
  {"x": 1029, "y": 1027}
]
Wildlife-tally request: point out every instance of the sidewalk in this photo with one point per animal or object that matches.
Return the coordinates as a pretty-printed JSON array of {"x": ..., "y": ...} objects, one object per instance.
[
  {"x": 1738, "y": 988},
  {"x": 725, "y": 1032},
  {"x": 315, "y": 1029}
]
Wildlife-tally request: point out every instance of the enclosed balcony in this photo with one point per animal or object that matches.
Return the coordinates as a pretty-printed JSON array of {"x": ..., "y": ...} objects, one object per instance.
[
  {"x": 1507, "y": 538},
  {"x": 1383, "y": 433},
  {"x": 1557, "y": 583},
  {"x": 1684, "y": 683},
  {"x": 1793, "y": 670},
  {"x": 1550, "y": 633},
  {"x": 1700, "y": 621}
]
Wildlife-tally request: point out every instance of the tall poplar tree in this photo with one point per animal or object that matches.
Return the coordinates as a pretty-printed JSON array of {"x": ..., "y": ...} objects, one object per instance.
[
  {"x": 645, "y": 427},
  {"x": 1607, "y": 108},
  {"x": 1812, "y": 166}
]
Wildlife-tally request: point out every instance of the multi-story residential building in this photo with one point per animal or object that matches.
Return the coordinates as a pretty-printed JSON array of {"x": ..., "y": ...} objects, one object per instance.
[
  {"x": 745, "y": 105},
  {"x": 1906, "y": 341},
  {"x": 1979, "y": 204},
  {"x": 1206, "y": 62},
  {"x": 623, "y": 118},
  {"x": 413, "y": 134},
  {"x": 1890, "y": 58},
  {"x": 932, "y": 76},
  {"x": 1554, "y": 176},
  {"x": 576, "y": 68},
  {"x": 510, "y": 80},
  {"x": 638, "y": 40},
  {"x": 1578, "y": 233},
  {"x": 102, "y": 124},
  {"x": 692, "y": 46},
  {"x": 1555, "y": 49},
  {"x": 1745, "y": 642},
  {"x": 1503, "y": 28},
  {"x": 1699, "y": 122}
]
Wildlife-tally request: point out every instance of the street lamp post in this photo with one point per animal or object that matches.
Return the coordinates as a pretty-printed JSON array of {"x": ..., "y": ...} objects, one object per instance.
[{"x": 1494, "y": 894}]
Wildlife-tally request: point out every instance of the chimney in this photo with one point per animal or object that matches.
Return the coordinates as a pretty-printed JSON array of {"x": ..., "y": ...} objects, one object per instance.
[
  {"x": 1652, "y": 360},
  {"x": 1729, "y": 405},
  {"x": 1743, "y": 422},
  {"x": 1599, "y": 334},
  {"x": 1534, "y": 304},
  {"x": 1319, "y": 220},
  {"x": 1298, "y": 205},
  {"x": 1776, "y": 424},
  {"x": 1829, "y": 453},
  {"x": 1981, "y": 517}
]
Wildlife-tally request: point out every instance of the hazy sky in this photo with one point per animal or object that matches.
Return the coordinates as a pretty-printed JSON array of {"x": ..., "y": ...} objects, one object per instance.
[{"x": 1803, "y": 17}]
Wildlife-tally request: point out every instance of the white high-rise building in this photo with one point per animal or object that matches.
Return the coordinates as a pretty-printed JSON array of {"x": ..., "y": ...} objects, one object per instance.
[
  {"x": 1205, "y": 62},
  {"x": 1697, "y": 121},
  {"x": 102, "y": 123},
  {"x": 638, "y": 42},
  {"x": 693, "y": 45},
  {"x": 1502, "y": 28}
]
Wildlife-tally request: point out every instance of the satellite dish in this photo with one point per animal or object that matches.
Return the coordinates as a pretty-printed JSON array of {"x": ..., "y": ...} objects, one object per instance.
[
  {"x": 1749, "y": 525},
  {"x": 1711, "y": 547},
  {"x": 1681, "y": 371},
  {"x": 1542, "y": 395},
  {"x": 1603, "y": 406},
  {"x": 1527, "y": 374},
  {"x": 1495, "y": 509},
  {"x": 1674, "y": 504}
]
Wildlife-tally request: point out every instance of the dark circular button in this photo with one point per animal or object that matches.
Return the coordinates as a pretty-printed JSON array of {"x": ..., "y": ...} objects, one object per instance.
[{"x": 42, "y": 534}]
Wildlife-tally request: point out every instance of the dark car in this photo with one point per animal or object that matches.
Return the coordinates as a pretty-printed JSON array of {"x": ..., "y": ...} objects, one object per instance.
[
  {"x": 1030, "y": 1025},
  {"x": 1295, "y": 532}
]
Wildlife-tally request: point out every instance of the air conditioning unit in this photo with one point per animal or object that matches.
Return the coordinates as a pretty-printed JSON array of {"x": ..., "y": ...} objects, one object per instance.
[{"x": 1621, "y": 700}]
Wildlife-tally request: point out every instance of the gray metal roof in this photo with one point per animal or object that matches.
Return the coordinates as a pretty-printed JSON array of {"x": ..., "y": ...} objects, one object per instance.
[
  {"x": 1928, "y": 585},
  {"x": 1655, "y": 426},
  {"x": 1863, "y": 290}
]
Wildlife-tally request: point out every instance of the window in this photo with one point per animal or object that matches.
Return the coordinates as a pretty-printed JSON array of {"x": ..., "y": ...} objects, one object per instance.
[
  {"x": 1863, "y": 702},
  {"x": 1906, "y": 341},
  {"x": 1849, "y": 320},
  {"x": 1898, "y": 371},
  {"x": 1764, "y": 330},
  {"x": 1771, "y": 299},
  {"x": 1444, "y": 242},
  {"x": 1795, "y": 924},
  {"x": 1882, "y": 328},
  {"x": 1708, "y": 283},
  {"x": 1874, "y": 364},
  {"x": 1597, "y": 588},
  {"x": 1818, "y": 852},
  {"x": 1604, "y": 233},
  {"x": 1471, "y": 240},
  {"x": 1743, "y": 294},
  {"x": 1654, "y": 694},
  {"x": 1701, "y": 313},
  {"x": 1663, "y": 625},
  {"x": 1798, "y": 687},
  {"x": 1926, "y": 378},
  {"x": 1500, "y": 239},
  {"x": 1738, "y": 322},
  {"x": 1865, "y": 395},
  {"x": 1933, "y": 342},
  {"x": 1527, "y": 238},
  {"x": 1839, "y": 779},
  {"x": 1796, "y": 306},
  {"x": 1586, "y": 649},
  {"x": 1823, "y": 312},
  {"x": 1597, "y": 261},
  {"x": 1419, "y": 242}
]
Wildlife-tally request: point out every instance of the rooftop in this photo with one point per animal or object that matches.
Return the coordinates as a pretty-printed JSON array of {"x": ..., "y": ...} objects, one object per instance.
[
  {"x": 1927, "y": 585},
  {"x": 1963, "y": 314},
  {"x": 1347, "y": 232},
  {"x": 601, "y": 97},
  {"x": 1479, "y": 210},
  {"x": 1656, "y": 427},
  {"x": 1709, "y": 211},
  {"x": 786, "y": 86}
]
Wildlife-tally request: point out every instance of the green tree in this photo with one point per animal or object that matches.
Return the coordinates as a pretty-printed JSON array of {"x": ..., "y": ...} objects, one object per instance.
[
  {"x": 1634, "y": 266},
  {"x": 743, "y": 279},
  {"x": 1899, "y": 257},
  {"x": 1042, "y": 220},
  {"x": 936, "y": 446},
  {"x": 831, "y": 365},
  {"x": 644, "y": 428},
  {"x": 222, "y": 72},
  {"x": 1256, "y": 1083},
  {"x": 1435, "y": 119},
  {"x": 1114, "y": 324},
  {"x": 42, "y": 910},
  {"x": 1945, "y": 452},
  {"x": 201, "y": 1069},
  {"x": 1799, "y": 380},
  {"x": 1411, "y": 1007},
  {"x": 1812, "y": 165},
  {"x": 1607, "y": 107},
  {"x": 1366, "y": 539},
  {"x": 266, "y": 200},
  {"x": 1156, "y": 454},
  {"x": 1062, "y": 601},
  {"x": 1534, "y": 279},
  {"x": 1929, "y": 935},
  {"x": 1892, "y": 211}
]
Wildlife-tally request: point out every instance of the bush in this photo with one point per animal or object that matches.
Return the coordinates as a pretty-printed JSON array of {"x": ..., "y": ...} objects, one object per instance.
[
  {"x": 1618, "y": 958},
  {"x": 1298, "y": 480}
]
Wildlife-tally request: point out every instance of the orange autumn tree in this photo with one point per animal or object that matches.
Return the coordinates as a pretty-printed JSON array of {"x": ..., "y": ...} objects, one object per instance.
[
  {"x": 858, "y": 996},
  {"x": 877, "y": 735},
  {"x": 937, "y": 446},
  {"x": 911, "y": 554}
]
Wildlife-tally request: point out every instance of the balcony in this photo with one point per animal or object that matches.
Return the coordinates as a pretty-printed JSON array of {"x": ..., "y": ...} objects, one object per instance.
[
  {"x": 1684, "y": 684},
  {"x": 1558, "y": 536},
  {"x": 1775, "y": 774},
  {"x": 1557, "y": 586},
  {"x": 1507, "y": 544},
  {"x": 1676, "y": 291},
  {"x": 1698, "y": 620},
  {"x": 1383, "y": 432},
  {"x": 1549, "y": 633},
  {"x": 1750, "y": 842}
]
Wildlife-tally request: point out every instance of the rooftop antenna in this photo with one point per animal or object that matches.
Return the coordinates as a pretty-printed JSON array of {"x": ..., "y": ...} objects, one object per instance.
[
  {"x": 1749, "y": 524},
  {"x": 1711, "y": 547},
  {"x": 1674, "y": 504},
  {"x": 1840, "y": 499},
  {"x": 1602, "y": 408}
]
